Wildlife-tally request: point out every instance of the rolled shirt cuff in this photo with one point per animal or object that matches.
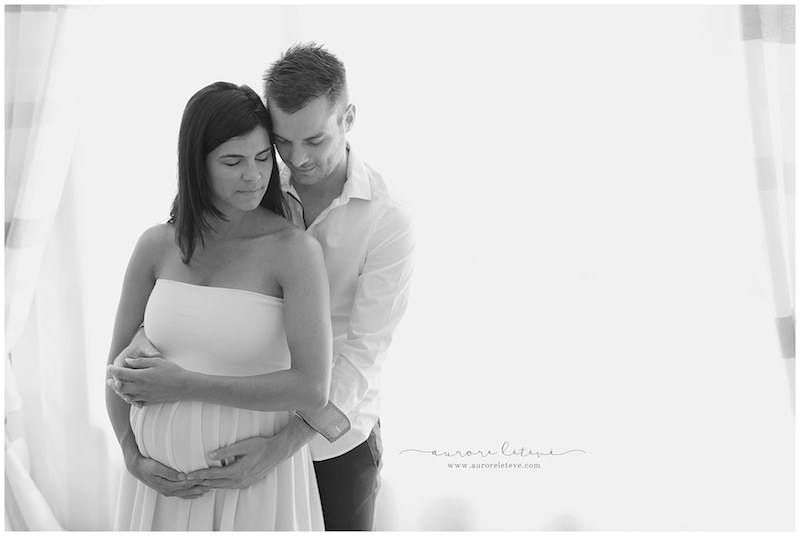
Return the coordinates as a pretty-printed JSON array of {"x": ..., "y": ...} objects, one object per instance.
[{"x": 329, "y": 421}]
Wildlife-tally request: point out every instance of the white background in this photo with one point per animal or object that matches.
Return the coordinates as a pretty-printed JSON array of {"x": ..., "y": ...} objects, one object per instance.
[{"x": 590, "y": 274}]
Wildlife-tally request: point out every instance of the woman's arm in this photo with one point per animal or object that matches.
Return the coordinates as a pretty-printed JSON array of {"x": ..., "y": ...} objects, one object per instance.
[
  {"x": 137, "y": 285},
  {"x": 300, "y": 271}
]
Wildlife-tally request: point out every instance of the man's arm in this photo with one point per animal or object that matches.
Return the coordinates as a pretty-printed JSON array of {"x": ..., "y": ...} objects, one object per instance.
[
  {"x": 381, "y": 298},
  {"x": 250, "y": 460}
]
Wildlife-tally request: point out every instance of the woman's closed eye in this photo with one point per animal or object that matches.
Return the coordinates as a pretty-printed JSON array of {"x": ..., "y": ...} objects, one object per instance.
[{"x": 232, "y": 163}]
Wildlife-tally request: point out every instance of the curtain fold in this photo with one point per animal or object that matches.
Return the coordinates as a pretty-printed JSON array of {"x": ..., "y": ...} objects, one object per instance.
[
  {"x": 55, "y": 460},
  {"x": 25, "y": 507},
  {"x": 41, "y": 127},
  {"x": 768, "y": 33}
]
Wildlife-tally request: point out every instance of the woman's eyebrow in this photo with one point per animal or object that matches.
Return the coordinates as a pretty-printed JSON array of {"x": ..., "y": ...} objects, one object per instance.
[{"x": 234, "y": 155}]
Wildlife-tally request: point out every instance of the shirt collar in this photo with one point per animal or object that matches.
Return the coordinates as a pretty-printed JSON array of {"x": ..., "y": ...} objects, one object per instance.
[{"x": 356, "y": 185}]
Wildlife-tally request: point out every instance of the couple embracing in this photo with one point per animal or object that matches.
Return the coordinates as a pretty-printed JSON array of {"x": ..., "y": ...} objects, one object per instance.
[{"x": 253, "y": 326}]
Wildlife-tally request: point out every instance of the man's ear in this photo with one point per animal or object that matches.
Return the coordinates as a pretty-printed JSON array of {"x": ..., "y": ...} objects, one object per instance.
[{"x": 349, "y": 117}]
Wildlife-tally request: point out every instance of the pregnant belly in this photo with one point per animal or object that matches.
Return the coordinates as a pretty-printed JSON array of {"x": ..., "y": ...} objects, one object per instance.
[{"x": 181, "y": 434}]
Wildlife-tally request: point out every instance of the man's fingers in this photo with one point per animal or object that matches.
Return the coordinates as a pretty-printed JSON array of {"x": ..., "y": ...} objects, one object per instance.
[
  {"x": 245, "y": 446},
  {"x": 146, "y": 351},
  {"x": 226, "y": 454},
  {"x": 121, "y": 359},
  {"x": 141, "y": 346},
  {"x": 139, "y": 362}
]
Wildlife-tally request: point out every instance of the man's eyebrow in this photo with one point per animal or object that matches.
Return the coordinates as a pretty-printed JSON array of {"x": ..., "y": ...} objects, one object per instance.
[{"x": 315, "y": 136}]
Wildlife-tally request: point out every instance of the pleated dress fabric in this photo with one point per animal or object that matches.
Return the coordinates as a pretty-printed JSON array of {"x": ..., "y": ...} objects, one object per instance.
[{"x": 218, "y": 331}]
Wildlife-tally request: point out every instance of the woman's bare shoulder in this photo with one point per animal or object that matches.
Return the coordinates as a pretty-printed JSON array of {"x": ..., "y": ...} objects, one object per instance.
[
  {"x": 155, "y": 241},
  {"x": 295, "y": 247},
  {"x": 158, "y": 236},
  {"x": 281, "y": 232}
]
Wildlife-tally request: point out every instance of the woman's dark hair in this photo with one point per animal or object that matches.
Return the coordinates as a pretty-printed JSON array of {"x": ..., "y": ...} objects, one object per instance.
[{"x": 213, "y": 115}]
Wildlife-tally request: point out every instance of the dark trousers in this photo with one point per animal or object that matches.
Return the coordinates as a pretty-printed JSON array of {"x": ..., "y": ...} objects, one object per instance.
[{"x": 348, "y": 485}]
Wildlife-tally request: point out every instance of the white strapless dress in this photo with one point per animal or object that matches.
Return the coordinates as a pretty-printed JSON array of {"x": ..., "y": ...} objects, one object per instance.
[{"x": 228, "y": 332}]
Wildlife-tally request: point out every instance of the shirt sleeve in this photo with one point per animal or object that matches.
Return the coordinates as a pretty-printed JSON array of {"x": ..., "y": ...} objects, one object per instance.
[
  {"x": 381, "y": 298},
  {"x": 329, "y": 421}
]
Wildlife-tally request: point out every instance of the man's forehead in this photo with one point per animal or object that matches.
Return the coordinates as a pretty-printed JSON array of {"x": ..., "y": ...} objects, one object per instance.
[{"x": 306, "y": 122}]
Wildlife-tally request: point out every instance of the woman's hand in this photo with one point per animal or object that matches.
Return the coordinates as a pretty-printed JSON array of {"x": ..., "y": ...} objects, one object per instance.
[
  {"x": 148, "y": 380},
  {"x": 165, "y": 480}
]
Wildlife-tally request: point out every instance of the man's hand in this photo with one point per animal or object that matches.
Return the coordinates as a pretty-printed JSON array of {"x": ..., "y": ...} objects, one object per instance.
[
  {"x": 166, "y": 480},
  {"x": 250, "y": 460},
  {"x": 140, "y": 346},
  {"x": 247, "y": 462},
  {"x": 148, "y": 380}
]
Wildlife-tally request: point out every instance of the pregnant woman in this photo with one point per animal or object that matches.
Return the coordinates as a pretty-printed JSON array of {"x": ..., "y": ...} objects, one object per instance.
[{"x": 236, "y": 300}]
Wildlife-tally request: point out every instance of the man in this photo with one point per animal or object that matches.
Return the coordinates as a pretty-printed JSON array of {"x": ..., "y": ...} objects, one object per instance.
[{"x": 367, "y": 241}]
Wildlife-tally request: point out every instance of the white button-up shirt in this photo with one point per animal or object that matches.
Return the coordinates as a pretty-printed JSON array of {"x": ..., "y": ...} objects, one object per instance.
[{"x": 367, "y": 239}]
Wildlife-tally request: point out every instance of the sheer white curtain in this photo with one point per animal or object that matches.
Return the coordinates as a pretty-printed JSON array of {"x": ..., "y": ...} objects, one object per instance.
[
  {"x": 55, "y": 460},
  {"x": 768, "y": 32}
]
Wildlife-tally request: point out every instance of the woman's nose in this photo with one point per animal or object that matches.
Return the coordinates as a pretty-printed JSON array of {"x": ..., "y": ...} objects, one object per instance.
[{"x": 251, "y": 173}]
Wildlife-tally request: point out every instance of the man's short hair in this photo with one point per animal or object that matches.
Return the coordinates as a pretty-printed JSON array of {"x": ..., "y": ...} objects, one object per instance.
[{"x": 303, "y": 73}]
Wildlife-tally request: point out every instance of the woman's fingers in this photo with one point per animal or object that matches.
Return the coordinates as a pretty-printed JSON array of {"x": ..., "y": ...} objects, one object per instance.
[
  {"x": 168, "y": 473},
  {"x": 212, "y": 474},
  {"x": 186, "y": 490},
  {"x": 120, "y": 373},
  {"x": 192, "y": 493},
  {"x": 114, "y": 384},
  {"x": 123, "y": 389}
]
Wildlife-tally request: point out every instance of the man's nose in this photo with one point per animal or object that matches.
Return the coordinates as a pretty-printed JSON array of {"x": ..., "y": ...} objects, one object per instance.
[{"x": 299, "y": 156}]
